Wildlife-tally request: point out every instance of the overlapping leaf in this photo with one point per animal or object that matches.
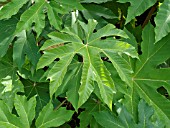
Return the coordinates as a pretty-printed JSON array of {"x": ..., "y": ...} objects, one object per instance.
[
  {"x": 9, "y": 80},
  {"x": 148, "y": 78},
  {"x": 36, "y": 14},
  {"x": 25, "y": 110},
  {"x": 25, "y": 45},
  {"x": 89, "y": 45},
  {"x": 137, "y": 8},
  {"x": 125, "y": 120}
]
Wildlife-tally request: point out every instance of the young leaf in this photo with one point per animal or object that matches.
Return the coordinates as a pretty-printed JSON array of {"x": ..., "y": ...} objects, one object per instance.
[{"x": 50, "y": 118}]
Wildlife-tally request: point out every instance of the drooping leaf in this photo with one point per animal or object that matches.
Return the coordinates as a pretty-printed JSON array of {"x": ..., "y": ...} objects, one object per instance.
[
  {"x": 162, "y": 21},
  {"x": 50, "y": 118},
  {"x": 11, "y": 8},
  {"x": 137, "y": 8}
]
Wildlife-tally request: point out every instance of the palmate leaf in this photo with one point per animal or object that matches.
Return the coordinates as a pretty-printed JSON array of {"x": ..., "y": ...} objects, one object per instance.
[
  {"x": 125, "y": 119},
  {"x": 137, "y": 8},
  {"x": 93, "y": 68},
  {"x": 148, "y": 78},
  {"x": 163, "y": 18},
  {"x": 11, "y": 8},
  {"x": 50, "y": 118}
]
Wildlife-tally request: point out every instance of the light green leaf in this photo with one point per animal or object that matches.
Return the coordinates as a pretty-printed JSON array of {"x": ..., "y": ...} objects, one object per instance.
[
  {"x": 162, "y": 21},
  {"x": 9, "y": 80},
  {"x": 50, "y": 55},
  {"x": 80, "y": 39},
  {"x": 33, "y": 14},
  {"x": 53, "y": 17},
  {"x": 57, "y": 73},
  {"x": 11, "y": 8},
  {"x": 137, "y": 8},
  {"x": 50, "y": 118},
  {"x": 73, "y": 87},
  {"x": 7, "y": 119},
  {"x": 87, "y": 80},
  {"x": 25, "y": 109}
]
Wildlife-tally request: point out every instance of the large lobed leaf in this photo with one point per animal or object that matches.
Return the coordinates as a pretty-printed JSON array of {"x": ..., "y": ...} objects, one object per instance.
[
  {"x": 89, "y": 45},
  {"x": 148, "y": 78}
]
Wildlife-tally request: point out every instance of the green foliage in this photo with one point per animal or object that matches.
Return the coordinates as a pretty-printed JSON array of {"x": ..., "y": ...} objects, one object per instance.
[{"x": 84, "y": 63}]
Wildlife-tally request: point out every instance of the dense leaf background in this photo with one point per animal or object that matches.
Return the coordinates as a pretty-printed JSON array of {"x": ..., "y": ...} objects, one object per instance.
[{"x": 84, "y": 63}]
